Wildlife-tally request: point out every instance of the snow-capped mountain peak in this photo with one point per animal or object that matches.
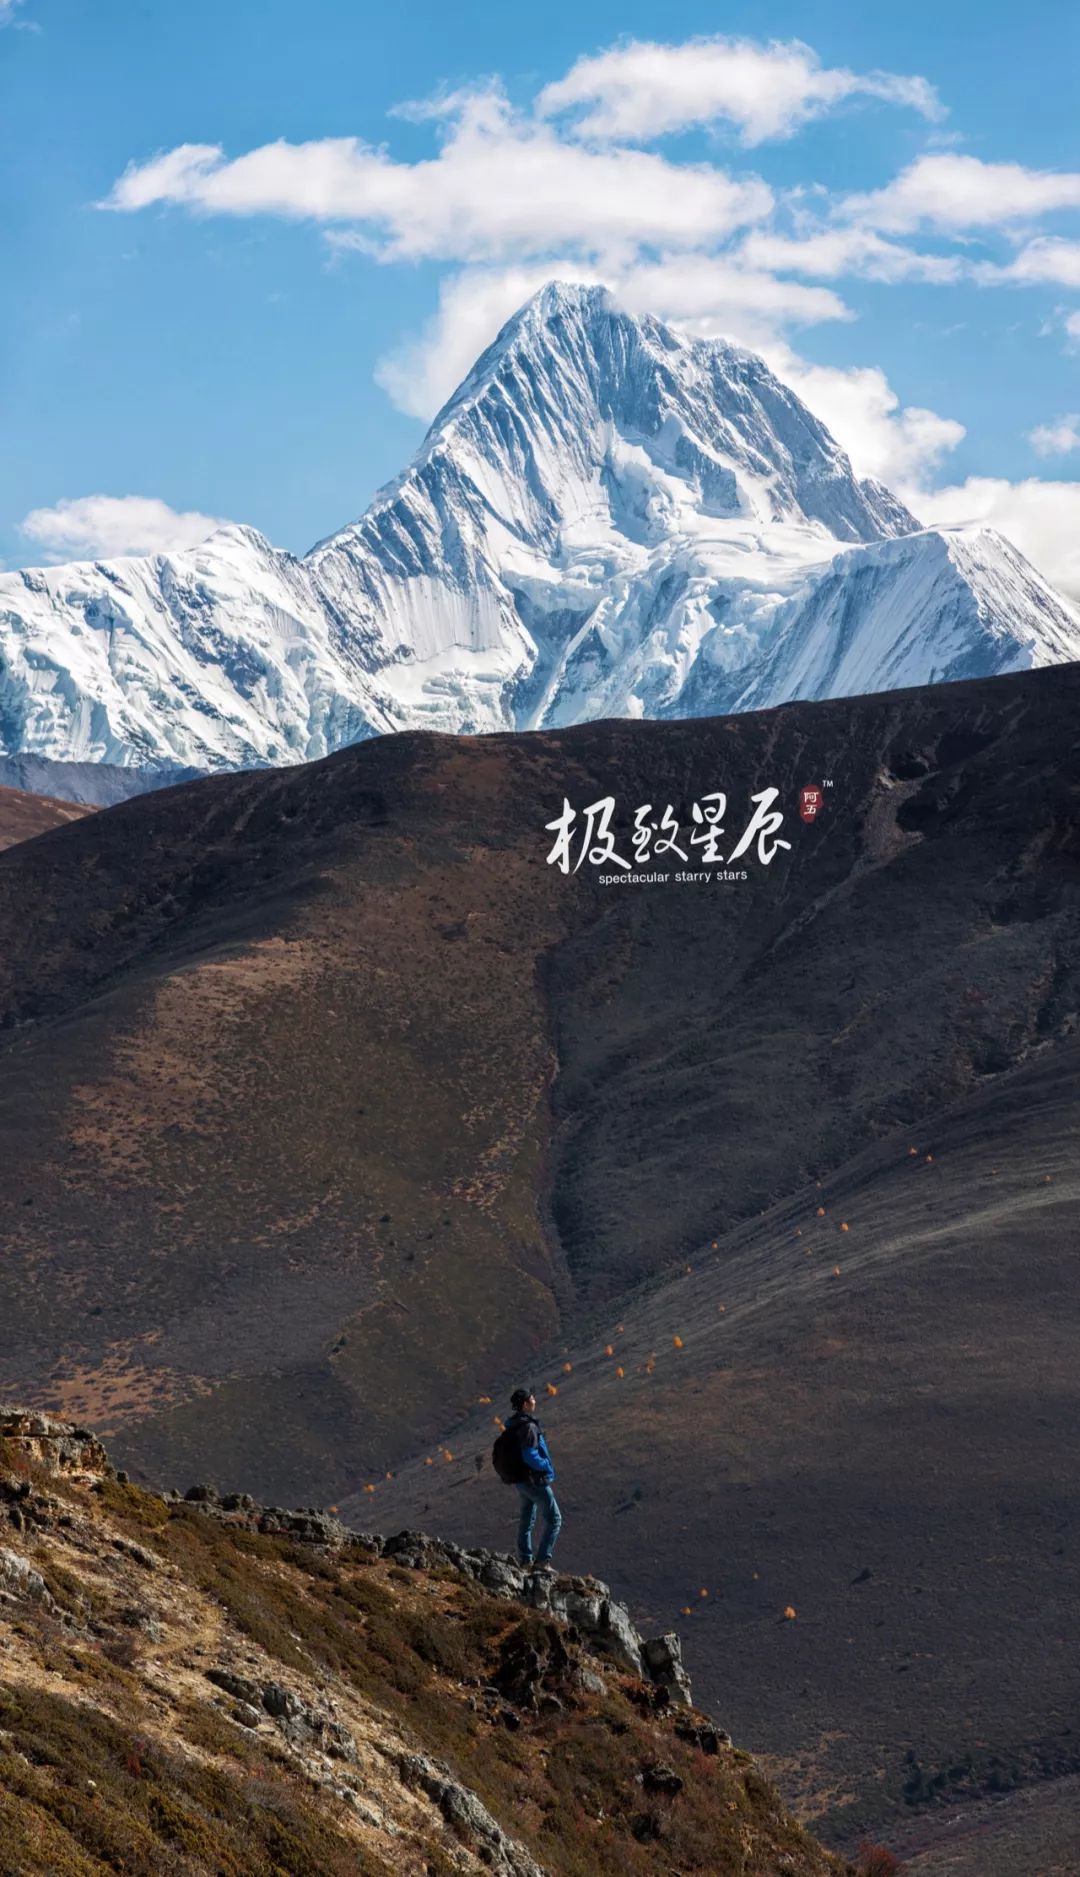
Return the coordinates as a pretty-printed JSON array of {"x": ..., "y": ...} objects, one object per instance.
[
  {"x": 607, "y": 517},
  {"x": 572, "y": 385}
]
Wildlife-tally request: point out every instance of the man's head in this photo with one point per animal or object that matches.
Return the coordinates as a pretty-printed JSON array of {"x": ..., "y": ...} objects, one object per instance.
[{"x": 523, "y": 1401}]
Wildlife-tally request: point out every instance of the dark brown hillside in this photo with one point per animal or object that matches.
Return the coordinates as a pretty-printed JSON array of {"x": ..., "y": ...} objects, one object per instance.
[
  {"x": 23, "y": 815},
  {"x": 324, "y": 1099},
  {"x": 253, "y": 1158},
  {"x": 876, "y": 1427},
  {"x": 326, "y": 1107}
]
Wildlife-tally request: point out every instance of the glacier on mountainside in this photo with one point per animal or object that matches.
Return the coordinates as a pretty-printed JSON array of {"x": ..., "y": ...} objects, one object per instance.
[{"x": 607, "y": 518}]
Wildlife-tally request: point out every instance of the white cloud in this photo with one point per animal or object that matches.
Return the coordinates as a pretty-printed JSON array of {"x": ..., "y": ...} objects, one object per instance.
[
  {"x": 828, "y": 253},
  {"x": 902, "y": 445},
  {"x": 904, "y": 448},
  {"x": 717, "y": 295},
  {"x": 707, "y": 294},
  {"x": 95, "y": 527},
  {"x": 1041, "y": 518},
  {"x": 951, "y": 191},
  {"x": 639, "y": 90},
  {"x": 8, "y": 10},
  {"x": 1056, "y": 439},
  {"x": 516, "y": 193},
  {"x": 1048, "y": 258},
  {"x": 510, "y": 198},
  {"x": 501, "y": 187}
]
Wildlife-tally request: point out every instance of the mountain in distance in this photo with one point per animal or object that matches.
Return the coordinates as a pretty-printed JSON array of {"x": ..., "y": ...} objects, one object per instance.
[
  {"x": 606, "y": 519},
  {"x": 87, "y": 784}
]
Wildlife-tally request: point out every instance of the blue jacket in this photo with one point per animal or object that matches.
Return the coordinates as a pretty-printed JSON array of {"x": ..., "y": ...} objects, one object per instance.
[{"x": 534, "y": 1448}]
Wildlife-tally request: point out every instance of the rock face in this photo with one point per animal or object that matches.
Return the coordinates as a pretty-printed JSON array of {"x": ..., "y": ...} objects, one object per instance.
[
  {"x": 584, "y": 1603},
  {"x": 19, "y": 1582},
  {"x": 469, "y": 1817},
  {"x": 606, "y": 519},
  {"x": 58, "y": 1447}
]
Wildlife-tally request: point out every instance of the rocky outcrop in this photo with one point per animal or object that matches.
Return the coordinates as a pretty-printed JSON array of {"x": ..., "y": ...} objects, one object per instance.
[
  {"x": 304, "y": 1726},
  {"x": 53, "y": 1446},
  {"x": 468, "y": 1817},
  {"x": 585, "y": 1603},
  {"x": 20, "y": 1583}
]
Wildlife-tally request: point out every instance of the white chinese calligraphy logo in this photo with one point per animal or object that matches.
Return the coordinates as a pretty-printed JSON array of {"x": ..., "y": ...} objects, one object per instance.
[{"x": 653, "y": 837}]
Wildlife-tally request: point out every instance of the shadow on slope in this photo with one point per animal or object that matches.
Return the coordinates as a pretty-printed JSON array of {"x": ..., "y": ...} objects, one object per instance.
[
  {"x": 875, "y": 1427},
  {"x": 323, "y": 1098}
]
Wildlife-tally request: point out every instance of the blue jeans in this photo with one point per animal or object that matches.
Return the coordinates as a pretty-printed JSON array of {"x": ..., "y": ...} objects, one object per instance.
[{"x": 537, "y": 1498}]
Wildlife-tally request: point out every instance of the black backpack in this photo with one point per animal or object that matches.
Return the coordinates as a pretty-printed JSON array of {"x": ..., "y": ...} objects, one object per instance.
[{"x": 506, "y": 1458}]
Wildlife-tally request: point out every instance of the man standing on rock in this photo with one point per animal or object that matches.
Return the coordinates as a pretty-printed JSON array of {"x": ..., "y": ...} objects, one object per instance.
[{"x": 534, "y": 1480}]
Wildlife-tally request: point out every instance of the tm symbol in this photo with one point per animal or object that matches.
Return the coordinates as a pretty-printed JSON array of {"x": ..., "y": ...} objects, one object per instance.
[{"x": 827, "y": 785}]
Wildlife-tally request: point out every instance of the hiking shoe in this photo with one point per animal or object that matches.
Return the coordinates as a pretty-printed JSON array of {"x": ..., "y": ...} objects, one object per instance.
[{"x": 545, "y": 1566}]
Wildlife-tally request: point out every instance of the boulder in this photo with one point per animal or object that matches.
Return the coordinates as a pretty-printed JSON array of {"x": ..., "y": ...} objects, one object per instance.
[
  {"x": 663, "y": 1664},
  {"x": 138, "y": 1552},
  {"x": 662, "y": 1779},
  {"x": 239, "y": 1686},
  {"x": 502, "y": 1575},
  {"x": 19, "y": 1579},
  {"x": 468, "y": 1817},
  {"x": 307, "y": 1527},
  {"x": 706, "y": 1738},
  {"x": 365, "y": 1541},
  {"x": 529, "y": 1665},
  {"x": 54, "y": 1446},
  {"x": 279, "y": 1703},
  {"x": 590, "y": 1681}
]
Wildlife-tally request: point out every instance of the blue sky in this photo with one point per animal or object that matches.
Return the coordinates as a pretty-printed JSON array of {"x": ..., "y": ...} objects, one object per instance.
[{"x": 239, "y": 278}]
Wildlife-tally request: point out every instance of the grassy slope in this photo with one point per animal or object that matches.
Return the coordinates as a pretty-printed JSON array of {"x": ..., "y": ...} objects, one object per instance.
[
  {"x": 331, "y": 1160},
  {"x": 116, "y": 1752}
]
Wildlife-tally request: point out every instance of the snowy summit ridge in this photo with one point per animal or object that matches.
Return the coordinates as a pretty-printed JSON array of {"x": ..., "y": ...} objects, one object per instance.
[{"x": 606, "y": 518}]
